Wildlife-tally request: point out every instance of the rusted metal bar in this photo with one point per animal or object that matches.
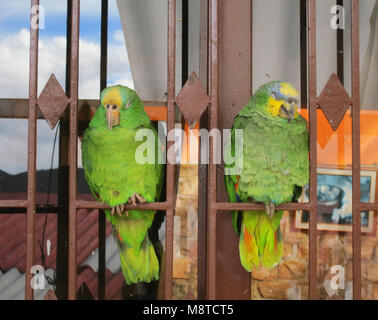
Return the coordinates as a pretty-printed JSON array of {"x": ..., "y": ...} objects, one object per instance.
[
  {"x": 39, "y": 210},
  {"x": 170, "y": 168},
  {"x": 303, "y": 58},
  {"x": 340, "y": 48},
  {"x": 202, "y": 168},
  {"x": 313, "y": 237},
  {"x": 368, "y": 206},
  {"x": 87, "y": 204},
  {"x": 63, "y": 177},
  {"x": 226, "y": 206},
  {"x": 213, "y": 82},
  {"x": 356, "y": 150},
  {"x": 32, "y": 152},
  {"x": 101, "y": 213},
  {"x": 14, "y": 203},
  {"x": 72, "y": 224},
  {"x": 18, "y": 108}
]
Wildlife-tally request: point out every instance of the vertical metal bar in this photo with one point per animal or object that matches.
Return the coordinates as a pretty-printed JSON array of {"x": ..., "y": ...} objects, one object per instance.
[
  {"x": 63, "y": 178},
  {"x": 32, "y": 150},
  {"x": 303, "y": 59},
  {"x": 202, "y": 168},
  {"x": 185, "y": 41},
  {"x": 72, "y": 225},
  {"x": 170, "y": 126},
  {"x": 213, "y": 82},
  {"x": 101, "y": 213},
  {"x": 313, "y": 285},
  {"x": 340, "y": 48},
  {"x": 356, "y": 151}
]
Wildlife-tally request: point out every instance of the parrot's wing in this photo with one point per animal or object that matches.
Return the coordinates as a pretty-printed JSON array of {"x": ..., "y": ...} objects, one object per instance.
[
  {"x": 231, "y": 181},
  {"x": 86, "y": 161},
  {"x": 231, "y": 189}
]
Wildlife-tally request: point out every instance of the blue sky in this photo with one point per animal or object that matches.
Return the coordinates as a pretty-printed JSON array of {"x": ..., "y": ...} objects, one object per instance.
[{"x": 14, "y": 66}]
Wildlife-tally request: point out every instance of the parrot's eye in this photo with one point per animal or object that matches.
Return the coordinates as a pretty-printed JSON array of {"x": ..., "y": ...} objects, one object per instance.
[
  {"x": 114, "y": 107},
  {"x": 290, "y": 101},
  {"x": 107, "y": 106}
]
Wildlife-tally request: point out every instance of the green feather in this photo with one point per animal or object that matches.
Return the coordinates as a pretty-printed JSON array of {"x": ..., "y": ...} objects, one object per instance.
[
  {"x": 113, "y": 175},
  {"x": 274, "y": 169}
]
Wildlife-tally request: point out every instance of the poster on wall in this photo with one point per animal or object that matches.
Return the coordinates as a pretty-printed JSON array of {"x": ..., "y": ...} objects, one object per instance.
[{"x": 334, "y": 195}]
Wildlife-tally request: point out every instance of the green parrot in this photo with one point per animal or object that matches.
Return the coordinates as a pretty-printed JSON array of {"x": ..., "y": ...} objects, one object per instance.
[
  {"x": 115, "y": 177},
  {"x": 273, "y": 169}
]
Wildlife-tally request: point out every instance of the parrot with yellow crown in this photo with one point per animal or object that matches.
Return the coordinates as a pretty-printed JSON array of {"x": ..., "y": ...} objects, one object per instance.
[
  {"x": 115, "y": 177},
  {"x": 273, "y": 169}
]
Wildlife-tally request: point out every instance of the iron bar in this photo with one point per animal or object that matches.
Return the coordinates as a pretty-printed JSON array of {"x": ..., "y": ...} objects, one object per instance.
[
  {"x": 356, "y": 150},
  {"x": 202, "y": 168},
  {"x": 14, "y": 203},
  {"x": 213, "y": 84},
  {"x": 88, "y": 204},
  {"x": 169, "y": 223},
  {"x": 340, "y": 48},
  {"x": 303, "y": 58},
  {"x": 101, "y": 213},
  {"x": 32, "y": 151},
  {"x": 63, "y": 177},
  {"x": 312, "y": 86},
  {"x": 226, "y": 206},
  {"x": 72, "y": 224}
]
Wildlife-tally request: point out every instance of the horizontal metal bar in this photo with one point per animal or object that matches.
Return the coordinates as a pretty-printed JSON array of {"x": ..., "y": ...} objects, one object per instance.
[
  {"x": 85, "y": 204},
  {"x": 14, "y": 203},
  {"x": 18, "y": 108},
  {"x": 39, "y": 209},
  {"x": 367, "y": 207},
  {"x": 228, "y": 206}
]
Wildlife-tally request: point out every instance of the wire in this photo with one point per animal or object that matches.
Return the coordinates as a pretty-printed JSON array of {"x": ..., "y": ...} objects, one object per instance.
[{"x": 41, "y": 243}]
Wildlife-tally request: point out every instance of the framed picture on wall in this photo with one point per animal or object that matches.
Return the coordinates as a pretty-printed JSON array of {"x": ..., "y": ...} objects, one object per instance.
[{"x": 334, "y": 194}]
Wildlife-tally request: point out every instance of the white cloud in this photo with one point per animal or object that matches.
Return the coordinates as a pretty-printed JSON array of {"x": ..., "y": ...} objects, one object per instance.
[
  {"x": 14, "y": 70},
  {"x": 118, "y": 36},
  {"x": 14, "y": 67},
  {"x": 11, "y": 9}
]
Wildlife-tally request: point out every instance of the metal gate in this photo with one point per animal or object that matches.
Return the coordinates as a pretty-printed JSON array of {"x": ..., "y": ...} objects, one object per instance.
[{"x": 220, "y": 66}]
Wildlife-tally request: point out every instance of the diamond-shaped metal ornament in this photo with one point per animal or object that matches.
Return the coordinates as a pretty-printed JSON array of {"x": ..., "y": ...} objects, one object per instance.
[
  {"x": 52, "y": 102},
  {"x": 334, "y": 101},
  {"x": 192, "y": 100}
]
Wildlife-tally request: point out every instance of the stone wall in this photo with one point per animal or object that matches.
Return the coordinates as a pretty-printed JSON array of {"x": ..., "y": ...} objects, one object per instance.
[
  {"x": 185, "y": 234},
  {"x": 289, "y": 280}
]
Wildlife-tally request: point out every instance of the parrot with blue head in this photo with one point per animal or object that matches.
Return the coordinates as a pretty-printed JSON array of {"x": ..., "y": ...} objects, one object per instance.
[{"x": 273, "y": 169}]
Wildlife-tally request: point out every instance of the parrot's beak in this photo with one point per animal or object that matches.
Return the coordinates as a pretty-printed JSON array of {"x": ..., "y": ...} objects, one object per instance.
[
  {"x": 112, "y": 117},
  {"x": 288, "y": 111}
]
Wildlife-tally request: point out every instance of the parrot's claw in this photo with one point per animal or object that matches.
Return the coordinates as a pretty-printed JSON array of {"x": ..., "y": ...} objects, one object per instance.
[
  {"x": 140, "y": 198},
  {"x": 135, "y": 198},
  {"x": 119, "y": 209},
  {"x": 270, "y": 208}
]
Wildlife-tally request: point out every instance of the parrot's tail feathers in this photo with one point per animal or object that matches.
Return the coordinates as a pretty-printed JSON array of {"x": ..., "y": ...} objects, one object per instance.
[
  {"x": 273, "y": 251},
  {"x": 139, "y": 264},
  {"x": 249, "y": 256},
  {"x": 260, "y": 240}
]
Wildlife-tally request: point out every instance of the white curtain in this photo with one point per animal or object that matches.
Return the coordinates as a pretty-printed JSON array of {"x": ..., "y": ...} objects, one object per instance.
[
  {"x": 144, "y": 24},
  {"x": 276, "y": 46},
  {"x": 369, "y": 74}
]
